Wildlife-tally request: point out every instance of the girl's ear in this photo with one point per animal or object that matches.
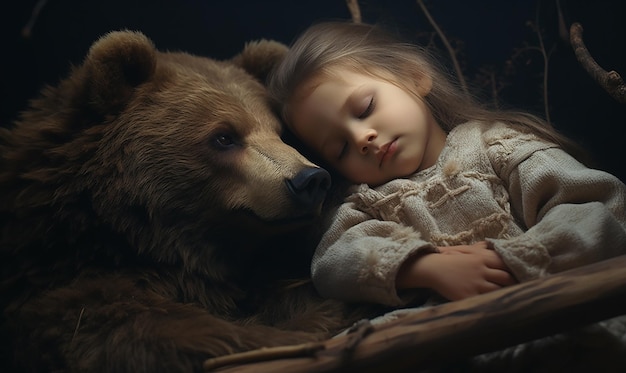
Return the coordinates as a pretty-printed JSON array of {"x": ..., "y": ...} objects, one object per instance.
[{"x": 423, "y": 84}]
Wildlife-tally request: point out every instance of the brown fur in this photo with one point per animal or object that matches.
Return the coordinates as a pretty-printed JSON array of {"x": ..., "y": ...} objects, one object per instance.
[{"x": 146, "y": 225}]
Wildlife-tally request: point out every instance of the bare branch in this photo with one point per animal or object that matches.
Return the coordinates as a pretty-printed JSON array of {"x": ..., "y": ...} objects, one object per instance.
[
  {"x": 610, "y": 81},
  {"x": 27, "y": 30},
  {"x": 509, "y": 316},
  {"x": 445, "y": 41},
  {"x": 263, "y": 354},
  {"x": 355, "y": 10},
  {"x": 546, "y": 62}
]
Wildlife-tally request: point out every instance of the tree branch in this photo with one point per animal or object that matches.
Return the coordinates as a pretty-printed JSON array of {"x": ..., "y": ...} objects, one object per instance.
[
  {"x": 484, "y": 323},
  {"x": 355, "y": 10},
  {"x": 263, "y": 354},
  {"x": 610, "y": 81},
  {"x": 446, "y": 43}
]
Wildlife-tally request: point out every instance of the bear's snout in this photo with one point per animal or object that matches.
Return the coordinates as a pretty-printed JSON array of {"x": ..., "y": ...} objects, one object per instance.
[{"x": 309, "y": 187}]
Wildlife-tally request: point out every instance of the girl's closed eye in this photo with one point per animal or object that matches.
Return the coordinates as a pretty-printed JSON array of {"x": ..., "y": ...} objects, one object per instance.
[{"x": 368, "y": 110}]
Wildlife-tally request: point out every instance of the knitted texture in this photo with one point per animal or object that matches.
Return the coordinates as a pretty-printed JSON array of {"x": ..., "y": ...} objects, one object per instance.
[{"x": 528, "y": 198}]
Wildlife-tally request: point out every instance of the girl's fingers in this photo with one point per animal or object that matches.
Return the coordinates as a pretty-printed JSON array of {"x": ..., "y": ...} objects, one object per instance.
[{"x": 500, "y": 277}]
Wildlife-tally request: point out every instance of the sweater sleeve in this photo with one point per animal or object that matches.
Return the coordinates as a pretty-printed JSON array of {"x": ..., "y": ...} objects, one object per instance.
[
  {"x": 574, "y": 215},
  {"x": 359, "y": 257}
]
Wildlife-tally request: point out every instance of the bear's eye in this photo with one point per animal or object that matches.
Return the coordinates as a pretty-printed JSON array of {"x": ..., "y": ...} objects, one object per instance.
[{"x": 223, "y": 141}]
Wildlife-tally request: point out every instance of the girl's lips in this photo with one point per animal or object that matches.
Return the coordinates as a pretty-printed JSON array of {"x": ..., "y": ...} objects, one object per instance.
[{"x": 387, "y": 151}]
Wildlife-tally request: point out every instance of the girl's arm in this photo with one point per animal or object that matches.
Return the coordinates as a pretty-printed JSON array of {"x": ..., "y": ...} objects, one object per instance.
[
  {"x": 457, "y": 272},
  {"x": 574, "y": 215},
  {"x": 359, "y": 257}
]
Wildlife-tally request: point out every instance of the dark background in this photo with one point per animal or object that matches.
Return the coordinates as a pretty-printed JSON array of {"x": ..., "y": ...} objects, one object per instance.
[{"x": 491, "y": 37}]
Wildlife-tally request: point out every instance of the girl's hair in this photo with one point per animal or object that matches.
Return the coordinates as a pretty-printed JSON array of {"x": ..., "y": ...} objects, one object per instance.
[{"x": 367, "y": 49}]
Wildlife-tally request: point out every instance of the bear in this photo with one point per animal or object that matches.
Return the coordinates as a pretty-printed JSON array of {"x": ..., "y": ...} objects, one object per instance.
[{"x": 152, "y": 216}]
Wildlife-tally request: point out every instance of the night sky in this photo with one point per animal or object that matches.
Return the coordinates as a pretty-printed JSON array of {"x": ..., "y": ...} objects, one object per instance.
[{"x": 491, "y": 37}]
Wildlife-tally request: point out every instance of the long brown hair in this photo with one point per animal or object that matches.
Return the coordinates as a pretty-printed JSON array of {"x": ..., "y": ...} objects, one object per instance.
[{"x": 369, "y": 49}]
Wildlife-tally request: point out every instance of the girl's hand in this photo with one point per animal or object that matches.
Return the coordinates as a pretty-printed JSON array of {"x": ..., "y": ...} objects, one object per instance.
[{"x": 457, "y": 272}]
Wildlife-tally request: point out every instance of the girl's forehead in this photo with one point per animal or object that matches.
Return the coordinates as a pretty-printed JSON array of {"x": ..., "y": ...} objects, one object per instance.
[
  {"x": 327, "y": 91},
  {"x": 319, "y": 103},
  {"x": 337, "y": 76},
  {"x": 305, "y": 89}
]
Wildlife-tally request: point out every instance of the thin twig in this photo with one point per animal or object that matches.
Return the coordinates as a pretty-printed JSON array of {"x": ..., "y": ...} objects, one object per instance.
[
  {"x": 546, "y": 65},
  {"x": 80, "y": 317},
  {"x": 263, "y": 354},
  {"x": 610, "y": 81},
  {"x": 27, "y": 30},
  {"x": 355, "y": 10},
  {"x": 445, "y": 41}
]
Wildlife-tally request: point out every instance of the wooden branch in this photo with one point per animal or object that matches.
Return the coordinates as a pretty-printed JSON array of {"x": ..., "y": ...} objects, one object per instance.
[
  {"x": 27, "y": 30},
  {"x": 355, "y": 10},
  {"x": 610, "y": 81},
  {"x": 480, "y": 324},
  {"x": 262, "y": 354},
  {"x": 446, "y": 43}
]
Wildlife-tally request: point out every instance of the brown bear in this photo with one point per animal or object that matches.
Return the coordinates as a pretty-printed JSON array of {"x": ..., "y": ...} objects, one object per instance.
[{"x": 151, "y": 216}]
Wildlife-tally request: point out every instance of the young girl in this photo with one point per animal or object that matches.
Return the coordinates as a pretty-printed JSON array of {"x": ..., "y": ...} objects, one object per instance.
[{"x": 451, "y": 197}]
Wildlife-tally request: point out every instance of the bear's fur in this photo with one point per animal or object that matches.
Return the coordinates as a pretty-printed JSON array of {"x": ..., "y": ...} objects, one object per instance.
[{"x": 149, "y": 214}]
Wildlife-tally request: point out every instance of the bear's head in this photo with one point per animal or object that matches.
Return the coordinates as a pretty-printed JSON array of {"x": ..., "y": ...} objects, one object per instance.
[{"x": 148, "y": 156}]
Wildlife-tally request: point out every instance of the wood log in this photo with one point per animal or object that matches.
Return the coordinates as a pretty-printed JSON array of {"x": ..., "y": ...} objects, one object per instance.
[{"x": 465, "y": 328}]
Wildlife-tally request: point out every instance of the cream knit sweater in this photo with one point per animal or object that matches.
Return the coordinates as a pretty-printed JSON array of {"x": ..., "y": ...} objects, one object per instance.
[{"x": 538, "y": 207}]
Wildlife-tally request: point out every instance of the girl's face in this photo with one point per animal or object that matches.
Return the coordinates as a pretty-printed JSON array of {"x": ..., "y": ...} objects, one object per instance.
[{"x": 368, "y": 129}]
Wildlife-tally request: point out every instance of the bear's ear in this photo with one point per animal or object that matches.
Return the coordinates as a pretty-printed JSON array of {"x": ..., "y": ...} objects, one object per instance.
[
  {"x": 117, "y": 63},
  {"x": 259, "y": 57}
]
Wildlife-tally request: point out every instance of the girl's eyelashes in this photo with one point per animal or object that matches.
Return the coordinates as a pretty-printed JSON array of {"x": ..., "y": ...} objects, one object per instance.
[{"x": 368, "y": 110}]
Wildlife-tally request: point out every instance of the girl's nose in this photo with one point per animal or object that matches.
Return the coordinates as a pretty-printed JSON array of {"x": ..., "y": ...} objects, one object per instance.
[{"x": 364, "y": 139}]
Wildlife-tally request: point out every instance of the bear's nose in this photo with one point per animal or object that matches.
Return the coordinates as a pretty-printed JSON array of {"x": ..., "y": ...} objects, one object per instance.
[{"x": 309, "y": 186}]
